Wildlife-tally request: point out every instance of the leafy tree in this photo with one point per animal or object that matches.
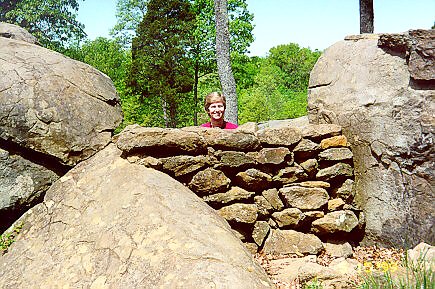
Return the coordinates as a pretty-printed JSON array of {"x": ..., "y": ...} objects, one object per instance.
[
  {"x": 279, "y": 88},
  {"x": 52, "y": 22},
  {"x": 295, "y": 64},
  {"x": 161, "y": 67},
  {"x": 245, "y": 68},
  {"x": 366, "y": 16},
  {"x": 129, "y": 14},
  {"x": 202, "y": 49},
  {"x": 224, "y": 61}
]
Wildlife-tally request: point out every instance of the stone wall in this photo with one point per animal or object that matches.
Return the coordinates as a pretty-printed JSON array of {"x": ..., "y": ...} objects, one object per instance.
[
  {"x": 282, "y": 189},
  {"x": 380, "y": 88}
]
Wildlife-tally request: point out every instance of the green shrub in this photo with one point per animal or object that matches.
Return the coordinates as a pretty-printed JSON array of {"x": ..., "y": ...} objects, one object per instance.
[
  {"x": 6, "y": 239},
  {"x": 411, "y": 275}
]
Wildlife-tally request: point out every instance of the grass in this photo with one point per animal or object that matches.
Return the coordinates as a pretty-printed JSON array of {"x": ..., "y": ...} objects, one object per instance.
[
  {"x": 411, "y": 274},
  {"x": 6, "y": 239}
]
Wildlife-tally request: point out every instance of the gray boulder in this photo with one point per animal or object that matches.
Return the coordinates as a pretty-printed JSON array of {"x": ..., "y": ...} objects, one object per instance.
[
  {"x": 22, "y": 185},
  {"x": 370, "y": 86},
  {"x": 15, "y": 32},
  {"x": 108, "y": 223},
  {"x": 54, "y": 105},
  {"x": 54, "y": 112}
]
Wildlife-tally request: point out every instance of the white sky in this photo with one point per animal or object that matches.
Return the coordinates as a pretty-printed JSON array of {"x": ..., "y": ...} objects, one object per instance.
[{"x": 316, "y": 24}]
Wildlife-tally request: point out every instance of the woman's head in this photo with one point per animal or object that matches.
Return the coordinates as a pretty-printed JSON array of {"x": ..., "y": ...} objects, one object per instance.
[
  {"x": 214, "y": 97},
  {"x": 215, "y": 105}
]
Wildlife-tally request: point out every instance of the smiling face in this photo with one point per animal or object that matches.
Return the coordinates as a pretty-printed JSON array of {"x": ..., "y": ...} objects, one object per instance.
[{"x": 216, "y": 110}]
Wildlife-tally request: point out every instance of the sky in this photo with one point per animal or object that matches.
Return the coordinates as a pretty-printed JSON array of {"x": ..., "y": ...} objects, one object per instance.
[{"x": 315, "y": 24}]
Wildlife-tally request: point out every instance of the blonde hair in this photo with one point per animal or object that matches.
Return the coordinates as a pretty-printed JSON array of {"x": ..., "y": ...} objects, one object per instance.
[{"x": 212, "y": 98}]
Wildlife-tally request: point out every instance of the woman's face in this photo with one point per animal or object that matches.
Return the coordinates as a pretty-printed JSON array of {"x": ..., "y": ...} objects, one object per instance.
[{"x": 216, "y": 110}]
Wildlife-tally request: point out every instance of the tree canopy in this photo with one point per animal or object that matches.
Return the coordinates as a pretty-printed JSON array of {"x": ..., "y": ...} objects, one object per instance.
[
  {"x": 52, "y": 22},
  {"x": 161, "y": 67}
]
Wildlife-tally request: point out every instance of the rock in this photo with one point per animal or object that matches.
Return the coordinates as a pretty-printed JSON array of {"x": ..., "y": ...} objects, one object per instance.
[
  {"x": 320, "y": 131},
  {"x": 310, "y": 166},
  {"x": 209, "y": 181},
  {"x": 346, "y": 266},
  {"x": 251, "y": 247},
  {"x": 293, "y": 122},
  {"x": 264, "y": 207},
  {"x": 384, "y": 102},
  {"x": 334, "y": 222},
  {"x": 249, "y": 127},
  {"x": 259, "y": 234},
  {"x": 234, "y": 194},
  {"x": 338, "y": 250},
  {"x": 417, "y": 45},
  {"x": 306, "y": 145},
  {"x": 282, "y": 136},
  {"x": 23, "y": 185},
  {"x": 304, "y": 198},
  {"x": 336, "y": 154},
  {"x": 310, "y": 271},
  {"x": 345, "y": 191},
  {"x": 422, "y": 56},
  {"x": 422, "y": 255},
  {"x": 291, "y": 242},
  {"x": 54, "y": 105},
  {"x": 15, "y": 32},
  {"x": 335, "y": 141},
  {"x": 311, "y": 184},
  {"x": 287, "y": 269},
  {"x": 310, "y": 216},
  {"x": 235, "y": 160},
  {"x": 332, "y": 172},
  {"x": 290, "y": 217},
  {"x": 149, "y": 162},
  {"x": 232, "y": 140},
  {"x": 291, "y": 174},
  {"x": 274, "y": 156},
  {"x": 155, "y": 141},
  {"x": 273, "y": 198},
  {"x": 253, "y": 179},
  {"x": 182, "y": 165},
  {"x": 109, "y": 223},
  {"x": 335, "y": 204},
  {"x": 240, "y": 213}
]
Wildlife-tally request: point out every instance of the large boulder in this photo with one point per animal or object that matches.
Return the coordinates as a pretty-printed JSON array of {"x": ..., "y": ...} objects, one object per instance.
[
  {"x": 53, "y": 104},
  {"x": 374, "y": 86},
  {"x": 8, "y": 30},
  {"x": 108, "y": 223},
  {"x": 23, "y": 184},
  {"x": 54, "y": 112}
]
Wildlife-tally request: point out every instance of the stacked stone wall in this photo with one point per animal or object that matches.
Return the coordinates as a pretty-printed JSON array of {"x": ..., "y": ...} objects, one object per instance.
[{"x": 284, "y": 190}]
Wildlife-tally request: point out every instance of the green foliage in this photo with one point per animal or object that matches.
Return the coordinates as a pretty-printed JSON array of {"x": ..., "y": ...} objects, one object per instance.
[
  {"x": 416, "y": 275},
  {"x": 6, "y": 239},
  {"x": 108, "y": 56},
  {"x": 129, "y": 14},
  {"x": 204, "y": 37},
  {"x": 161, "y": 66},
  {"x": 315, "y": 284},
  {"x": 295, "y": 64},
  {"x": 274, "y": 87},
  {"x": 52, "y": 22},
  {"x": 201, "y": 50}
]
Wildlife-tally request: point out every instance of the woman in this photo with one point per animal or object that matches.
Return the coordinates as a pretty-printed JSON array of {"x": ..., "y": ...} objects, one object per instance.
[{"x": 215, "y": 105}]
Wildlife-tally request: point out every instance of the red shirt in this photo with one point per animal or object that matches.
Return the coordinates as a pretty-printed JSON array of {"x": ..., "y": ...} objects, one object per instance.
[{"x": 226, "y": 125}]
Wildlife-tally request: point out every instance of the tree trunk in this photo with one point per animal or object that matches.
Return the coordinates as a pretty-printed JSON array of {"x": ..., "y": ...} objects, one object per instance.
[
  {"x": 195, "y": 94},
  {"x": 226, "y": 76},
  {"x": 366, "y": 16}
]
